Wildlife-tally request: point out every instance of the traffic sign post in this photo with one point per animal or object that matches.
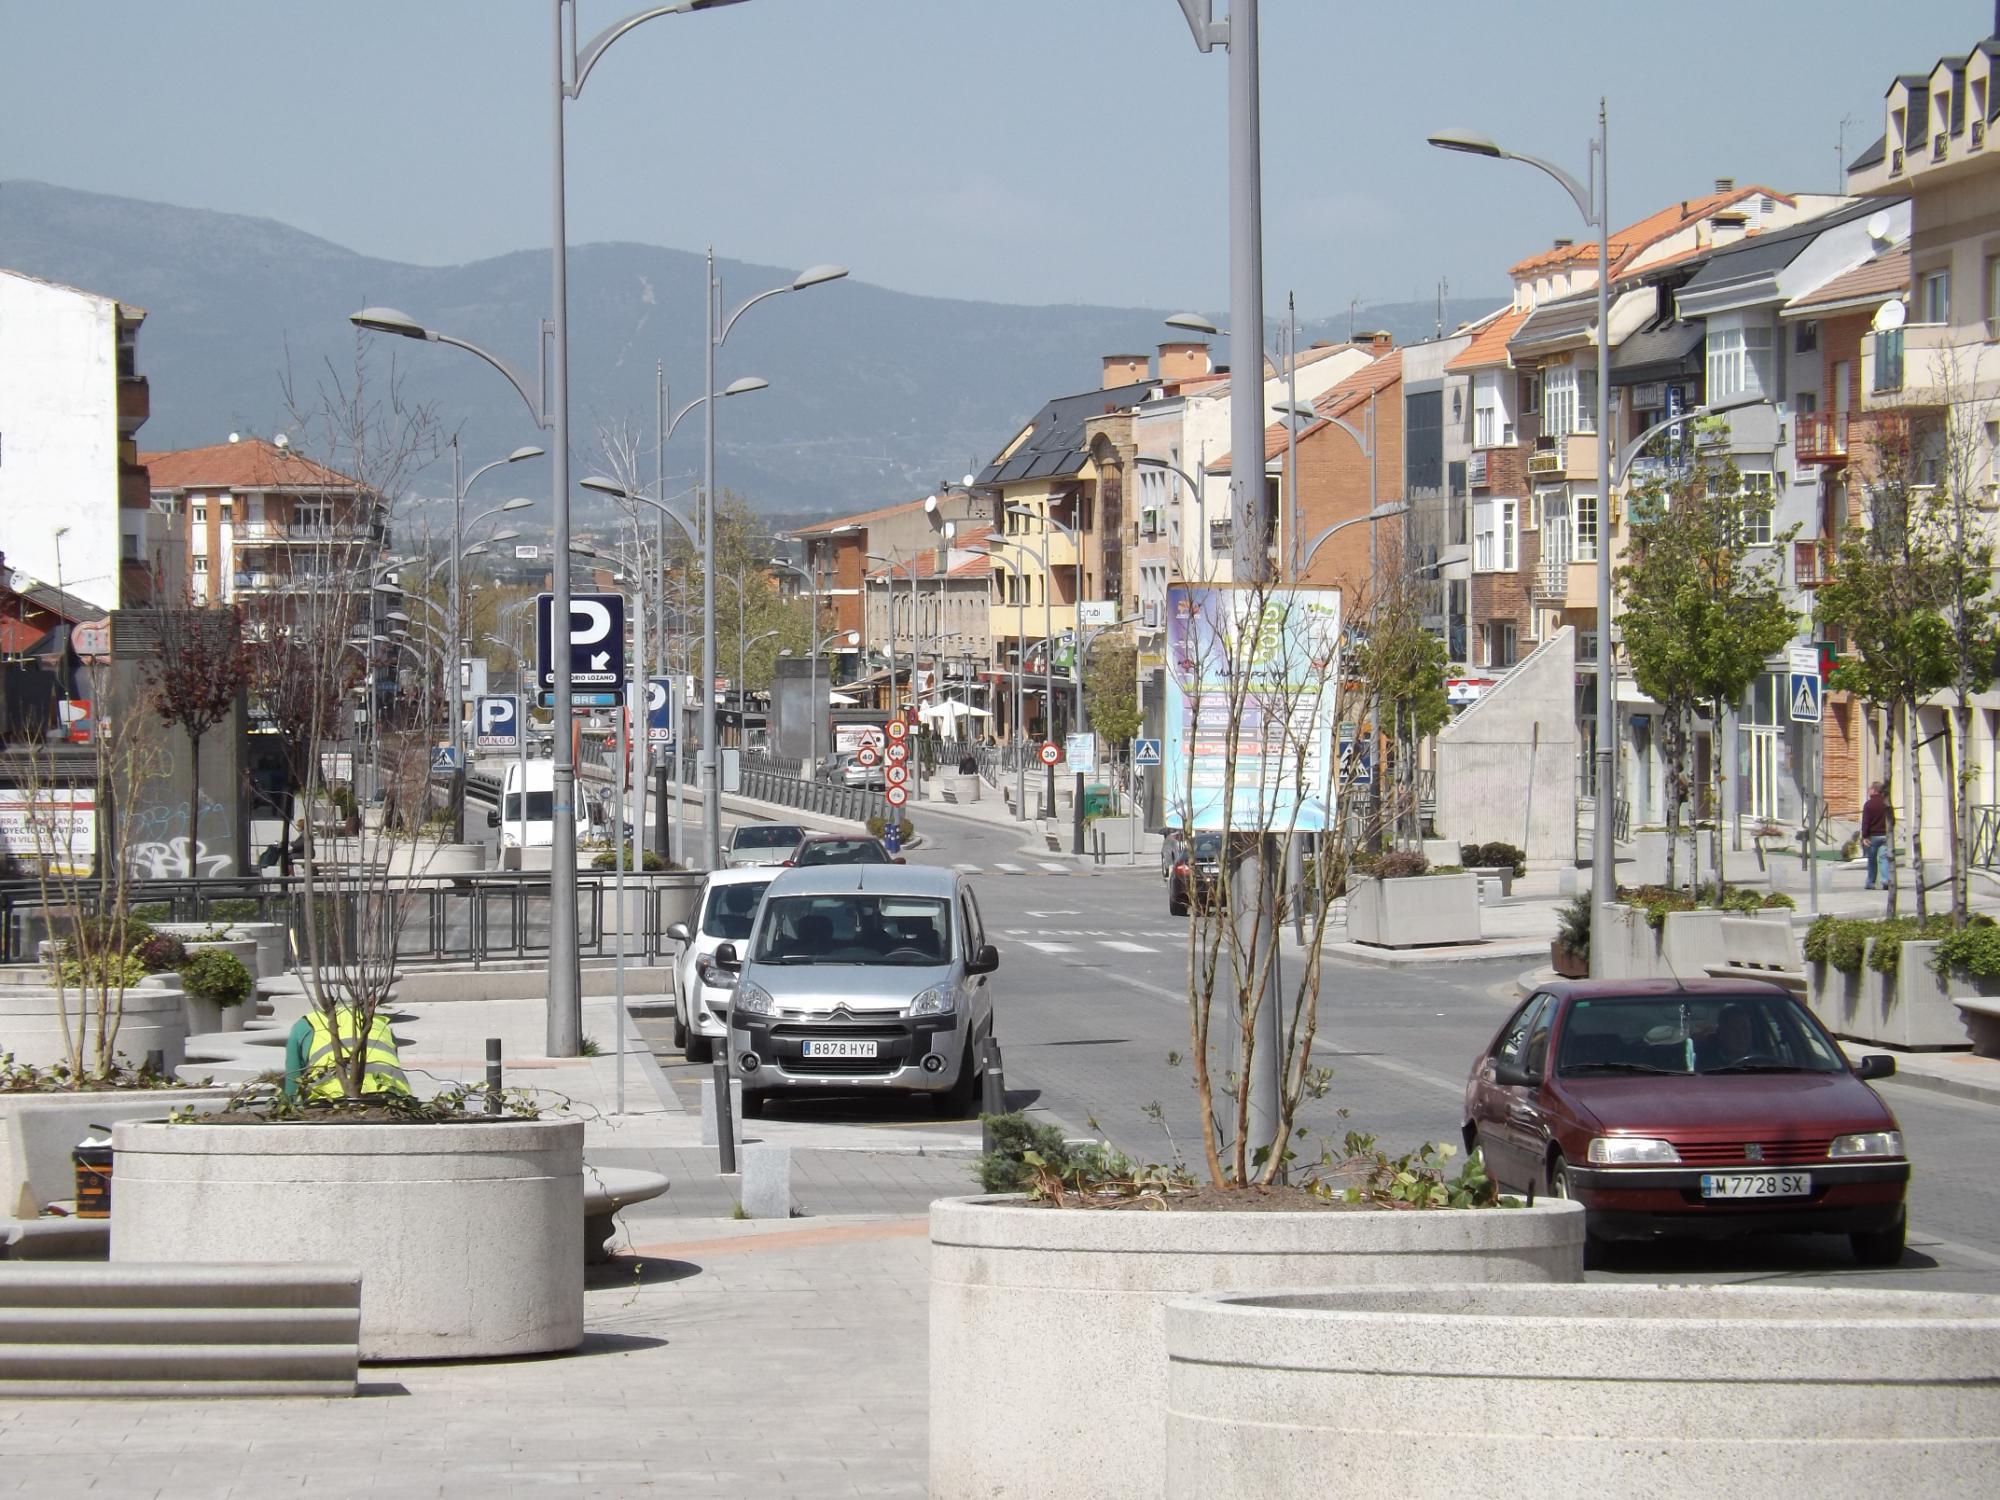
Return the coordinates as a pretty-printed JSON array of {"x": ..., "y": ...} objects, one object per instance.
[
  {"x": 1145, "y": 752},
  {"x": 596, "y": 642},
  {"x": 898, "y": 753},
  {"x": 896, "y": 796},
  {"x": 1050, "y": 752},
  {"x": 1806, "y": 699},
  {"x": 660, "y": 706}
]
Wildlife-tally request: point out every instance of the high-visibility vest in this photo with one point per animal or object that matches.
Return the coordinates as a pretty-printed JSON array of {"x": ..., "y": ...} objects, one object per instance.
[{"x": 383, "y": 1069}]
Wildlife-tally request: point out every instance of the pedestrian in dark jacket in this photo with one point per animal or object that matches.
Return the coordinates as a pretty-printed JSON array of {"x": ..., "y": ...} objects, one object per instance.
[{"x": 1875, "y": 821}]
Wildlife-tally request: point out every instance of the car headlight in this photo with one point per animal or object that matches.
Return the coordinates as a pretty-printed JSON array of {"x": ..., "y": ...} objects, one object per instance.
[
  {"x": 714, "y": 978},
  {"x": 935, "y": 1001},
  {"x": 1629, "y": 1150},
  {"x": 1868, "y": 1143},
  {"x": 753, "y": 1000}
]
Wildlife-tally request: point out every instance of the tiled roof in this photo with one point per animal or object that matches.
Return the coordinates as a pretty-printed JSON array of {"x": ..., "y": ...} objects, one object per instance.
[
  {"x": 1053, "y": 447},
  {"x": 1489, "y": 344},
  {"x": 126, "y": 309},
  {"x": 882, "y": 513},
  {"x": 1354, "y": 391},
  {"x": 1628, "y": 243},
  {"x": 925, "y": 563},
  {"x": 252, "y": 464},
  {"x": 1885, "y": 276}
]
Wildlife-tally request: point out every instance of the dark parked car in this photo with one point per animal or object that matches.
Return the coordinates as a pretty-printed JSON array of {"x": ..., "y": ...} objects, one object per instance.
[
  {"x": 1710, "y": 1109},
  {"x": 840, "y": 849},
  {"x": 1194, "y": 869}
]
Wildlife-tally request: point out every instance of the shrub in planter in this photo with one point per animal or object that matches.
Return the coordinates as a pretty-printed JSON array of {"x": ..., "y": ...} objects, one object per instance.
[
  {"x": 1975, "y": 950},
  {"x": 1494, "y": 856},
  {"x": 234, "y": 909},
  {"x": 1396, "y": 864},
  {"x": 905, "y": 830},
  {"x": 161, "y": 952},
  {"x": 652, "y": 864},
  {"x": 218, "y": 977},
  {"x": 117, "y": 971},
  {"x": 1570, "y": 953}
]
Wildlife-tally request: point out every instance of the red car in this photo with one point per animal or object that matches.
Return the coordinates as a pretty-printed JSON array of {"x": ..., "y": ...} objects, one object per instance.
[{"x": 1710, "y": 1108}]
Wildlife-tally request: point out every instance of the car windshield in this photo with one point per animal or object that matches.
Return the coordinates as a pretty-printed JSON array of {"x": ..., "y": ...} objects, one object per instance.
[
  {"x": 767, "y": 836},
  {"x": 731, "y": 909},
  {"x": 842, "y": 852},
  {"x": 1693, "y": 1034},
  {"x": 1207, "y": 848},
  {"x": 541, "y": 807},
  {"x": 854, "y": 929}
]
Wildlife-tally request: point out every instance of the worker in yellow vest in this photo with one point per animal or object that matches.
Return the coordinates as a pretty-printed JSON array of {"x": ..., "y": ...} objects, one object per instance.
[{"x": 310, "y": 1058}]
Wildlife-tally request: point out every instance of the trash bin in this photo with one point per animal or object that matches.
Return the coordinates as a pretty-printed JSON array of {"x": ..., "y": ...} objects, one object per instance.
[
  {"x": 1099, "y": 801},
  {"x": 92, "y": 1159}
]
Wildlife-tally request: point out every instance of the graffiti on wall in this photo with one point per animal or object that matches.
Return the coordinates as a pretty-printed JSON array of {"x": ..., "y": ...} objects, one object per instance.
[{"x": 157, "y": 843}]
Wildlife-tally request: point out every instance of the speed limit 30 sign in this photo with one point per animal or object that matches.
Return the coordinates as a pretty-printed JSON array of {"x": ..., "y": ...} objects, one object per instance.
[{"x": 1051, "y": 752}]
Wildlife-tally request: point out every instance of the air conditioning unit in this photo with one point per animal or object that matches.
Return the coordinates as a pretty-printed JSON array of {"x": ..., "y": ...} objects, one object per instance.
[{"x": 1978, "y": 134}]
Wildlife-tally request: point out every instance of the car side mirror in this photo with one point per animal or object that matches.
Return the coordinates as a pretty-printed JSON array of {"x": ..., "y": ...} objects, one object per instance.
[
  {"x": 1876, "y": 1065},
  {"x": 493, "y": 819},
  {"x": 1513, "y": 1075},
  {"x": 985, "y": 961},
  {"x": 726, "y": 958},
  {"x": 897, "y": 859},
  {"x": 678, "y": 932}
]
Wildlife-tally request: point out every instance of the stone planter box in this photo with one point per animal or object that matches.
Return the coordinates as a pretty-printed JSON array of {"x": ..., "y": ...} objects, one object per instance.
[
  {"x": 1411, "y": 913},
  {"x": 963, "y": 788},
  {"x": 1912, "y": 1010},
  {"x": 1567, "y": 962},
  {"x": 274, "y": 955},
  {"x": 1070, "y": 1305},
  {"x": 1684, "y": 947},
  {"x": 467, "y": 1233},
  {"x": 38, "y": 1132},
  {"x": 1663, "y": 1391},
  {"x": 152, "y": 1020},
  {"x": 1500, "y": 875}
]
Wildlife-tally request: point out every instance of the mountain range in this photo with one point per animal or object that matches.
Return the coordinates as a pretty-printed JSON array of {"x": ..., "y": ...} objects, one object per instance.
[{"x": 875, "y": 396}]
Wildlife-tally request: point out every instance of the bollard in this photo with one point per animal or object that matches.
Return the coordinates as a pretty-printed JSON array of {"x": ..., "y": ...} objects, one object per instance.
[
  {"x": 992, "y": 1090},
  {"x": 493, "y": 1075},
  {"x": 725, "y": 1122}
]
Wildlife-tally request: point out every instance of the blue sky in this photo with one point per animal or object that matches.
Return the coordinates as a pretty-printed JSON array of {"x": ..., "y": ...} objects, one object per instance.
[{"x": 1013, "y": 150}]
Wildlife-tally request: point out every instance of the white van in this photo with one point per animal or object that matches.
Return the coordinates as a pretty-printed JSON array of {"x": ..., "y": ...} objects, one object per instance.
[{"x": 538, "y": 832}]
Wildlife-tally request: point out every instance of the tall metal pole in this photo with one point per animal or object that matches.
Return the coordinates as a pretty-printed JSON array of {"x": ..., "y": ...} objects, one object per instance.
[
  {"x": 565, "y": 1015},
  {"x": 1603, "y": 866},
  {"x": 711, "y": 786},
  {"x": 638, "y": 767},
  {"x": 618, "y": 882},
  {"x": 457, "y": 629},
  {"x": 1257, "y": 922}
]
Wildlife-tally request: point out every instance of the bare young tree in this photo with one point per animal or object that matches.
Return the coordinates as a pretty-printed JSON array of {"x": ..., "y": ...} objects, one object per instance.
[{"x": 196, "y": 678}]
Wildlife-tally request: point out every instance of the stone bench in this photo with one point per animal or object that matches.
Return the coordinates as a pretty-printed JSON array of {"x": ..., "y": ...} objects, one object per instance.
[
  {"x": 1982, "y": 1024},
  {"x": 137, "y": 1329},
  {"x": 605, "y": 1191},
  {"x": 1754, "y": 949}
]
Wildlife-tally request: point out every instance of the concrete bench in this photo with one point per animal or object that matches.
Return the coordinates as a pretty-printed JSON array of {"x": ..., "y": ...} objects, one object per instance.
[
  {"x": 133, "y": 1329},
  {"x": 605, "y": 1191},
  {"x": 1982, "y": 1024},
  {"x": 1756, "y": 949}
]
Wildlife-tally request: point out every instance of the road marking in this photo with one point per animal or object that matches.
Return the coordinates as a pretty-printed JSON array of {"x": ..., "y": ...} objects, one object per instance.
[
  {"x": 1421, "y": 1075},
  {"x": 1051, "y": 865},
  {"x": 1051, "y": 948},
  {"x": 966, "y": 869},
  {"x": 1124, "y": 947},
  {"x": 1177, "y": 997},
  {"x": 1063, "y": 913},
  {"x": 1001, "y": 864},
  {"x": 1918, "y": 1240}
]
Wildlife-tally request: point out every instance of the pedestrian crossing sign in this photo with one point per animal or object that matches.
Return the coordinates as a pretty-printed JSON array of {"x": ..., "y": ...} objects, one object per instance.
[
  {"x": 1145, "y": 752},
  {"x": 1805, "y": 697}
]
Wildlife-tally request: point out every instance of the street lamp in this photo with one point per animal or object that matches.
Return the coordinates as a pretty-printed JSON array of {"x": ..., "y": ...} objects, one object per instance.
[
  {"x": 891, "y": 564},
  {"x": 1380, "y": 513},
  {"x": 992, "y": 547},
  {"x": 1592, "y": 201},
  {"x": 571, "y": 69},
  {"x": 716, "y": 333},
  {"x": 812, "y": 681}
]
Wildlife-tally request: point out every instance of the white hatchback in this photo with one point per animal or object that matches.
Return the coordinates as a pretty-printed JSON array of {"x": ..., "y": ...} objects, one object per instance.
[{"x": 724, "y": 913}]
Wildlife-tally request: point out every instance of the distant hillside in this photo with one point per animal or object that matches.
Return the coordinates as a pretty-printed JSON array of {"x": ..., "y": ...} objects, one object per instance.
[{"x": 875, "y": 395}]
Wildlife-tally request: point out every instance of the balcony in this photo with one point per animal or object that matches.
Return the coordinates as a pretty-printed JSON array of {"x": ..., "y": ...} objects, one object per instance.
[
  {"x": 1573, "y": 456},
  {"x": 1927, "y": 364},
  {"x": 1822, "y": 438},
  {"x": 1812, "y": 563},
  {"x": 135, "y": 403},
  {"x": 1221, "y": 536},
  {"x": 135, "y": 488},
  {"x": 1475, "y": 470}
]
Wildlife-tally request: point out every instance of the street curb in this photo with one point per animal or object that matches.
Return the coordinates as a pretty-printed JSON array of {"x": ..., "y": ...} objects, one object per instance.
[
  {"x": 1398, "y": 958},
  {"x": 1931, "y": 1084}
]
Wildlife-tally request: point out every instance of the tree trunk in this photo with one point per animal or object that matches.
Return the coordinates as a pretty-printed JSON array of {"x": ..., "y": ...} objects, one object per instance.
[
  {"x": 1676, "y": 779},
  {"x": 1958, "y": 808},
  {"x": 1717, "y": 779},
  {"x": 1911, "y": 736},
  {"x": 1891, "y": 720},
  {"x": 194, "y": 805}
]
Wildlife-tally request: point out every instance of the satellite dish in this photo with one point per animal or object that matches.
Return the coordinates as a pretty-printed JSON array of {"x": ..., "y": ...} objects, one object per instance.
[
  {"x": 280, "y": 441},
  {"x": 235, "y": 437},
  {"x": 1878, "y": 228},
  {"x": 1889, "y": 316}
]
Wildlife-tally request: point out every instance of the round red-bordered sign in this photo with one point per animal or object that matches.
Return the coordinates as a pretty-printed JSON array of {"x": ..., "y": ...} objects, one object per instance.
[
  {"x": 867, "y": 755},
  {"x": 898, "y": 752},
  {"x": 896, "y": 796},
  {"x": 896, "y": 728},
  {"x": 1051, "y": 753},
  {"x": 897, "y": 775}
]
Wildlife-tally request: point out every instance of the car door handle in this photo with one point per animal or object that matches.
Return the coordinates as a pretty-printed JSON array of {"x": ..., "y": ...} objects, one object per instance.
[{"x": 1523, "y": 1114}]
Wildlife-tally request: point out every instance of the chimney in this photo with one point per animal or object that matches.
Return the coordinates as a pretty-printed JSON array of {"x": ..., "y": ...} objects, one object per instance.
[
  {"x": 1378, "y": 342},
  {"x": 1564, "y": 244},
  {"x": 1125, "y": 369},
  {"x": 1182, "y": 361},
  {"x": 1725, "y": 184}
]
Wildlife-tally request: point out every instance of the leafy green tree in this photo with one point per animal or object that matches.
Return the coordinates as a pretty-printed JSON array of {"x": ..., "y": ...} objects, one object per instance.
[
  {"x": 1402, "y": 666},
  {"x": 1702, "y": 611},
  {"x": 1111, "y": 691}
]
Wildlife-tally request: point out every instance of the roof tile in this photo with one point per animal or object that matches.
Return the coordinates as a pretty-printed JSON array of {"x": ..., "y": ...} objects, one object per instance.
[{"x": 252, "y": 464}]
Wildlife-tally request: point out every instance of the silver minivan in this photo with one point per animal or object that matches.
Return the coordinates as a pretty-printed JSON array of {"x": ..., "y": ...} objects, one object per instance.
[{"x": 862, "y": 977}]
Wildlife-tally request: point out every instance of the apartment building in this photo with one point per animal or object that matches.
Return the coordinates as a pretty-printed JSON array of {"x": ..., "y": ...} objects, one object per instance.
[
  {"x": 935, "y": 608},
  {"x": 74, "y": 502}
]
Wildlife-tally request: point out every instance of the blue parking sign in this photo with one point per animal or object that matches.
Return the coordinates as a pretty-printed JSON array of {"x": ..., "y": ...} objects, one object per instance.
[
  {"x": 496, "y": 724},
  {"x": 662, "y": 703}
]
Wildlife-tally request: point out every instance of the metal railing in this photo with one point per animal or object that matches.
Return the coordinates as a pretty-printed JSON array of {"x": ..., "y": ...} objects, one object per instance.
[{"x": 1983, "y": 837}]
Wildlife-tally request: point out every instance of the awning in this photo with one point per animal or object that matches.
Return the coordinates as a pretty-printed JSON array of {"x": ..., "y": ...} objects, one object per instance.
[{"x": 951, "y": 711}]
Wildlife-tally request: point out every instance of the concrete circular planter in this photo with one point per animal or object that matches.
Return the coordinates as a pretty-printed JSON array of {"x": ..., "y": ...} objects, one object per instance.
[
  {"x": 273, "y": 946},
  {"x": 1418, "y": 1391},
  {"x": 466, "y": 1235},
  {"x": 151, "y": 1020},
  {"x": 38, "y": 1132},
  {"x": 1070, "y": 1306}
]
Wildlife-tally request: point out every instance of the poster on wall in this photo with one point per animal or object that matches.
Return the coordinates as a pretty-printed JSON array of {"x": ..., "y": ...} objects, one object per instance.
[
  {"x": 54, "y": 829},
  {"x": 1253, "y": 678}
]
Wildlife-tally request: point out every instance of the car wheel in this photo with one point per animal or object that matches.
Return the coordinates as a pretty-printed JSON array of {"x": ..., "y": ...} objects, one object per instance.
[
  {"x": 700, "y": 1049},
  {"x": 1475, "y": 1147},
  {"x": 681, "y": 1033},
  {"x": 1176, "y": 901},
  {"x": 1881, "y": 1247},
  {"x": 962, "y": 1098},
  {"x": 1559, "y": 1178}
]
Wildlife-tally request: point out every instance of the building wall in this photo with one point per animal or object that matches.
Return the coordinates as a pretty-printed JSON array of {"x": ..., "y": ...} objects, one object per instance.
[
  {"x": 59, "y": 437},
  {"x": 1334, "y": 486},
  {"x": 1506, "y": 766}
]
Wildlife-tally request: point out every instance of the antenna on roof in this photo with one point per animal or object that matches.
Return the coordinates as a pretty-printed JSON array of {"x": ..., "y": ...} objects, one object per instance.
[
  {"x": 1444, "y": 285},
  {"x": 1840, "y": 145}
]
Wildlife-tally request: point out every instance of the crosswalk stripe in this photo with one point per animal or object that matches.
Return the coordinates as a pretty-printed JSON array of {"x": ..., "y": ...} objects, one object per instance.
[
  {"x": 1049, "y": 948},
  {"x": 1124, "y": 947},
  {"x": 1001, "y": 864},
  {"x": 1050, "y": 865}
]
